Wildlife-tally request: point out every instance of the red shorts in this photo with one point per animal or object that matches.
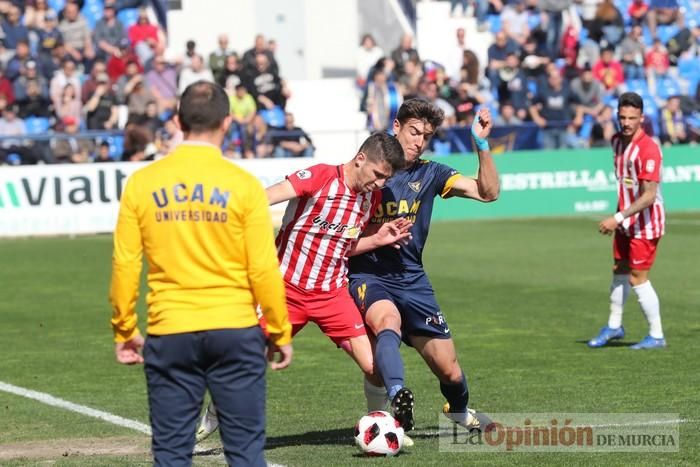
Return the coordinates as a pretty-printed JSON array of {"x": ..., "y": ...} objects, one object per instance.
[
  {"x": 334, "y": 312},
  {"x": 639, "y": 253}
]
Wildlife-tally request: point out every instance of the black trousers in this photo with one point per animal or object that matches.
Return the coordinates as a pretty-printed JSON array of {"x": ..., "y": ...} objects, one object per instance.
[{"x": 180, "y": 367}]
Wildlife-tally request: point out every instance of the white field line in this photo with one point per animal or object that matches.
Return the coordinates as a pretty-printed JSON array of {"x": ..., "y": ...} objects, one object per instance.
[{"x": 48, "y": 399}]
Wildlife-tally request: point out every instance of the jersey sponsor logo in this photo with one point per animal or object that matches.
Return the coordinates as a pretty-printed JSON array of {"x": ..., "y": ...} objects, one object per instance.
[
  {"x": 397, "y": 208},
  {"x": 415, "y": 186},
  {"x": 303, "y": 174},
  {"x": 323, "y": 224},
  {"x": 628, "y": 181},
  {"x": 650, "y": 166}
]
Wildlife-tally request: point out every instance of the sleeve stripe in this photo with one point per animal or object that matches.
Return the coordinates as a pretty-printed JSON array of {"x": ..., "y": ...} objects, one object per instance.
[{"x": 449, "y": 184}]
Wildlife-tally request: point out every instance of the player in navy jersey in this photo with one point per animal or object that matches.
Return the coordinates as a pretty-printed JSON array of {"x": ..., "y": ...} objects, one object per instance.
[{"x": 390, "y": 286}]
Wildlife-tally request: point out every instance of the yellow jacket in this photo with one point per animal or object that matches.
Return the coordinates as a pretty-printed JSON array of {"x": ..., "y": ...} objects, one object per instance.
[{"x": 204, "y": 225}]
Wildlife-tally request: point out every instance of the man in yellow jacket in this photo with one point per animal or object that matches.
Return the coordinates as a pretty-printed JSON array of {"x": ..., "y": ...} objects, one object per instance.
[{"x": 205, "y": 228}]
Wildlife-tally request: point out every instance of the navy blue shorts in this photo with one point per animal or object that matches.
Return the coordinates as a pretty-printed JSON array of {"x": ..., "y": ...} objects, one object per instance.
[{"x": 413, "y": 296}]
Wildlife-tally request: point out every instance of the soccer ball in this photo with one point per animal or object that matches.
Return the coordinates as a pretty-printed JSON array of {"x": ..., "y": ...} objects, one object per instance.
[{"x": 379, "y": 434}]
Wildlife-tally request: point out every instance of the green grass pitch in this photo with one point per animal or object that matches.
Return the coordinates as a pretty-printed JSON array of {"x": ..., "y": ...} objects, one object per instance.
[{"x": 521, "y": 298}]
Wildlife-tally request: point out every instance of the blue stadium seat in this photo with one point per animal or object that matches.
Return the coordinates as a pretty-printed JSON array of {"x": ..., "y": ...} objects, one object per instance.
[
  {"x": 36, "y": 125},
  {"x": 116, "y": 147},
  {"x": 128, "y": 16},
  {"x": 92, "y": 11},
  {"x": 667, "y": 87},
  {"x": 274, "y": 117},
  {"x": 666, "y": 31},
  {"x": 586, "y": 128},
  {"x": 57, "y": 5},
  {"x": 14, "y": 159},
  {"x": 495, "y": 24},
  {"x": 533, "y": 20},
  {"x": 640, "y": 86}
]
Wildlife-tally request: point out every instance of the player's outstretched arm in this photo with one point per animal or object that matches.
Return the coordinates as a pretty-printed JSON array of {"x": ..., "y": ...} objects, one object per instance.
[
  {"x": 279, "y": 192},
  {"x": 485, "y": 187},
  {"x": 395, "y": 233}
]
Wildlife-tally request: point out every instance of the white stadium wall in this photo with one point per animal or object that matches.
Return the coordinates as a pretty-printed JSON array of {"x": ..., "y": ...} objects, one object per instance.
[{"x": 83, "y": 198}]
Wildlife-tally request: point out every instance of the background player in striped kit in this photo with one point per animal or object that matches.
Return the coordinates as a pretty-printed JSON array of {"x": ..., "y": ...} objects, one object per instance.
[
  {"x": 637, "y": 225},
  {"x": 328, "y": 211},
  {"x": 391, "y": 286}
]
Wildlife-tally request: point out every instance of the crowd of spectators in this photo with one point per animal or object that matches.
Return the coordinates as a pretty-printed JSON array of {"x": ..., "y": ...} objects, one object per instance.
[
  {"x": 556, "y": 64},
  {"x": 97, "y": 76}
]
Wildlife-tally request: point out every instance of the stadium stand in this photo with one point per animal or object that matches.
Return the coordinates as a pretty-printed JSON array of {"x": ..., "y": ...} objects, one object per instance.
[{"x": 453, "y": 52}]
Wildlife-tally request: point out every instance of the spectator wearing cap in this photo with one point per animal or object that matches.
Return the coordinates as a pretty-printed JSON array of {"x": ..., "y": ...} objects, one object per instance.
[
  {"x": 76, "y": 34},
  {"x": 31, "y": 73},
  {"x": 68, "y": 74},
  {"x": 35, "y": 14},
  {"x": 72, "y": 149},
  {"x": 49, "y": 34},
  {"x": 101, "y": 109},
  {"x": 50, "y": 63},
  {"x": 34, "y": 104},
  {"x": 69, "y": 104},
  {"x": 162, "y": 80},
  {"x": 108, "y": 32},
  {"x": 609, "y": 71},
  {"x": 17, "y": 65},
  {"x": 117, "y": 64},
  {"x": 13, "y": 28}
]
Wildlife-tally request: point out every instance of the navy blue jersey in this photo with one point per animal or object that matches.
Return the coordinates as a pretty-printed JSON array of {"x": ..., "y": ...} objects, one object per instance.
[{"x": 411, "y": 194}]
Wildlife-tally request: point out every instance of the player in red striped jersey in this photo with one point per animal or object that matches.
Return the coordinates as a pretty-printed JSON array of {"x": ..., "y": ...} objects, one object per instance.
[
  {"x": 325, "y": 223},
  {"x": 329, "y": 207},
  {"x": 637, "y": 225}
]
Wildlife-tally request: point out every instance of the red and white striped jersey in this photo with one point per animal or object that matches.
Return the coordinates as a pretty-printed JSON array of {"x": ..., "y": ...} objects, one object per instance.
[
  {"x": 640, "y": 160},
  {"x": 320, "y": 227}
]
